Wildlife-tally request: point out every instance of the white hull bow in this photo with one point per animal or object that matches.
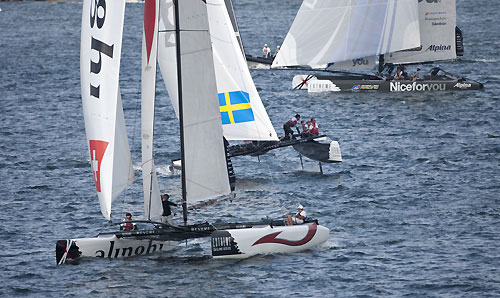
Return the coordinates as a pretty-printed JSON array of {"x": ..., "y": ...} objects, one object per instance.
[{"x": 243, "y": 243}]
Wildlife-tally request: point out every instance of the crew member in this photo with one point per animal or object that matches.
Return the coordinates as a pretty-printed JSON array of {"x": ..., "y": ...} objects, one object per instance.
[
  {"x": 287, "y": 127},
  {"x": 128, "y": 225},
  {"x": 166, "y": 216},
  {"x": 266, "y": 51},
  {"x": 305, "y": 128},
  {"x": 313, "y": 127},
  {"x": 277, "y": 50},
  {"x": 298, "y": 218},
  {"x": 417, "y": 75}
]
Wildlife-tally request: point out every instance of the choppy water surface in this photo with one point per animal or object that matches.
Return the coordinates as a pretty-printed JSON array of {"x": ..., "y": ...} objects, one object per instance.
[{"x": 413, "y": 209}]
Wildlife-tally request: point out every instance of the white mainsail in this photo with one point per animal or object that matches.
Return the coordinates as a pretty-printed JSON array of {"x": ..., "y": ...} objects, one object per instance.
[
  {"x": 326, "y": 31},
  {"x": 205, "y": 159},
  {"x": 101, "y": 40},
  {"x": 437, "y": 34},
  {"x": 152, "y": 201},
  {"x": 244, "y": 117}
]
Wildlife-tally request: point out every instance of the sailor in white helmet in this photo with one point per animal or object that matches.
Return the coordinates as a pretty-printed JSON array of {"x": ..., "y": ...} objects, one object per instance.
[
  {"x": 277, "y": 50},
  {"x": 298, "y": 218},
  {"x": 266, "y": 51}
]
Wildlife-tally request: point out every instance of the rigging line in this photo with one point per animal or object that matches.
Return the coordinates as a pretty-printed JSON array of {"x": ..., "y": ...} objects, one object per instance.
[
  {"x": 280, "y": 205},
  {"x": 183, "y": 30}
]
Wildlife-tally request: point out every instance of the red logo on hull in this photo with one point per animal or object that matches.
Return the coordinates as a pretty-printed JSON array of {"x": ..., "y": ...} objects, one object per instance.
[
  {"x": 97, "y": 149},
  {"x": 271, "y": 238}
]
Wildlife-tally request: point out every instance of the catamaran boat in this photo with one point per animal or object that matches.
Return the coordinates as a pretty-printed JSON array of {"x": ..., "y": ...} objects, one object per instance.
[
  {"x": 436, "y": 80},
  {"x": 179, "y": 33},
  {"x": 244, "y": 117},
  {"x": 345, "y": 39}
]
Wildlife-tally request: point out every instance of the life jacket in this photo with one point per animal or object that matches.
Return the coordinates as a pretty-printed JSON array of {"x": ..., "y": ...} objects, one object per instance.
[
  {"x": 128, "y": 226},
  {"x": 299, "y": 213},
  {"x": 313, "y": 129},
  {"x": 292, "y": 122}
]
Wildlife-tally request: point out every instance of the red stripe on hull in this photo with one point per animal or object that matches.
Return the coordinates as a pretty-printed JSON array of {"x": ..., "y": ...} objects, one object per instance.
[{"x": 271, "y": 238}]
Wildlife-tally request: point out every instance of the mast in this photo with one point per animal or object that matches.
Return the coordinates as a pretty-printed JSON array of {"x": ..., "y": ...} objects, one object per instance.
[{"x": 181, "y": 111}]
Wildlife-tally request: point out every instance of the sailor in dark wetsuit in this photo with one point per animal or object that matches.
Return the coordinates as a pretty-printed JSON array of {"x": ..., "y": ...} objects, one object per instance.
[
  {"x": 167, "y": 212},
  {"x": 287, "y": 127}
]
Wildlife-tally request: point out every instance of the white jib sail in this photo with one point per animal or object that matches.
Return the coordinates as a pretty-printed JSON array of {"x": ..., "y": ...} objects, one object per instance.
[
  {"x": 101, "y": 38},
  {"x": 326, "y": 31},
  {"x": 244, "y": 117},
  {"x": 437, "y": 34},
  {"x": 205, "y": 161},
  {"x": 152, "y": 201}
]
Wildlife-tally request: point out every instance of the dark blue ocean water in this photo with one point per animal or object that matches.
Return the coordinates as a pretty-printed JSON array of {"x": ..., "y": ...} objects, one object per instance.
[{"x": 413, "y": 209}]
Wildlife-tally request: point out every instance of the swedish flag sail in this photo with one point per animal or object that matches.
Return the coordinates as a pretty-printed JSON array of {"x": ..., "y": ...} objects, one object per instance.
[
  {"x": 243, "y": 113},
  {"x": 244, "y": 117},
  {"x": 235, "y": 107}
]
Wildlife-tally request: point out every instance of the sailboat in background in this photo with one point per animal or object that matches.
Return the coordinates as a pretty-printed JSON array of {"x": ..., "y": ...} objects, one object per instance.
[
  {"x": 204, "y": 172},
  {"x": 243, "y": 114},
  {"x": 244, "y": 117},
  {"x": 364, "y": 34}
]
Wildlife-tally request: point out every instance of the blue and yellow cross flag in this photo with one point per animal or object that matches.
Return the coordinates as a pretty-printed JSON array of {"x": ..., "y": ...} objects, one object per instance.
[{"x": 235, "y": 107}]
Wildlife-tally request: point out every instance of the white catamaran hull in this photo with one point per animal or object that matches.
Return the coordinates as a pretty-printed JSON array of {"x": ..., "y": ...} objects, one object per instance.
[
  {"x": 243, "y": 243},
  {"x": 108, "y": 246}
]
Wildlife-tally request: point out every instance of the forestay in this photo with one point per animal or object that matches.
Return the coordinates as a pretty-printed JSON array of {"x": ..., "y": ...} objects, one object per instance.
[
  {"x": 243, "y": 114},
  {"x": 326, "y": 31},
  {"x": 437, "y": 34},
  {"x": 205, "y": 161},
  {"x": 101, "y": 41}
]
